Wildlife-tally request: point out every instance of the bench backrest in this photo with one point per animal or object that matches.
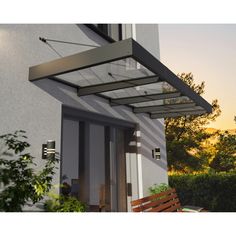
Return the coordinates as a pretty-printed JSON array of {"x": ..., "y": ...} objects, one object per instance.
[{"x": 161, "y": 202}]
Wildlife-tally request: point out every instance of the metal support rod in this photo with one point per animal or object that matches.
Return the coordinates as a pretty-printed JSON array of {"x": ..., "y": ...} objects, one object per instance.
[{"x": 67, "y": 42}]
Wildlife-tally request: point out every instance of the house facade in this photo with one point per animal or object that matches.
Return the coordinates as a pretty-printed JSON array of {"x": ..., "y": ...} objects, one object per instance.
[{"x": 107, "y": 146}]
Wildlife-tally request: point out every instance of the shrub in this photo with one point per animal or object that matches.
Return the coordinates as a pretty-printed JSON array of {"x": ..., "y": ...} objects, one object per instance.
[
  {"x": 17, "y": 176},
  {"x": 214, "y": 192},
  {"x": 158, "y": 188},
  {"x": 58, "y": 203}
]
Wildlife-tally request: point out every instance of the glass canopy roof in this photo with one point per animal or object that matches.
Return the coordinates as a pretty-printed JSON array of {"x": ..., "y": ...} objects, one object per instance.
[{"x": 126, "y": 74}]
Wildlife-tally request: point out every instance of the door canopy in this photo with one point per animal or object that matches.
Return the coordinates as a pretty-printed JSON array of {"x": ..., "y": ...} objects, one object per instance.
[{"x": 125, "y": 73}]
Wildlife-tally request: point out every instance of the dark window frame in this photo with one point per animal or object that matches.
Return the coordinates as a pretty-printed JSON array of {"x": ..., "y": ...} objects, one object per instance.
[{"x": 102, "y": 30}]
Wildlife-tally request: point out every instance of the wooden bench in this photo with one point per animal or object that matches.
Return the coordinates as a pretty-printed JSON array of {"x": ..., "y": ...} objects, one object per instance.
[{"x": 167, "y": 201}]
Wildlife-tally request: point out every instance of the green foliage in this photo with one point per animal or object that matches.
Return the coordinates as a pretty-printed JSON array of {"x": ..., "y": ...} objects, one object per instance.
[
  {"x": 158, "y": 188},
  {"x": 17, "y": 176},
  {"x": 58, "y": 203},
  {"x": 185, "y": 135},
  {"x": 214, "y": 192},
  {"x": 225, "y": 157}
]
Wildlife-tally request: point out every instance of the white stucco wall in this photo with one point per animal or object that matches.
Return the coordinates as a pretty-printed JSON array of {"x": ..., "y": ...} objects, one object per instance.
[
  {"x": 152, "y": 132},
  {"x": 36, "y": 107}
]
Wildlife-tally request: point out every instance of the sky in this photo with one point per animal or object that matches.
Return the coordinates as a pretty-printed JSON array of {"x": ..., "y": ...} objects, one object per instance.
[{"x": 208, "y": 51}]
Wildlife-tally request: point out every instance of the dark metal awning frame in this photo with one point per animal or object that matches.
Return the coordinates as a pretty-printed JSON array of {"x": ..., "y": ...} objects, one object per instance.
[{"x": 128, "y": 48}]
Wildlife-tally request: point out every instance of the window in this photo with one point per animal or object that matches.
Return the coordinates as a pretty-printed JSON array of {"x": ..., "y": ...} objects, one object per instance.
[
  {"x": 113, "y": 31},
  {"x": 103, "y": 28}
]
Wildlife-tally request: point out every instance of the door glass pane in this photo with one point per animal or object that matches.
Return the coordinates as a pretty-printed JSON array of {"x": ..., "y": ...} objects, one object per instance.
[
  {"x": 93, "y": 164},
  {"x": 113, "y": 170},
  {"x": 96, "y": 165},
  {"x": 70, "y": 155}
]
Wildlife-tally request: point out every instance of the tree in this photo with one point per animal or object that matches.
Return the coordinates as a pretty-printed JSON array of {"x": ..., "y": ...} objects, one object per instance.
[
  {"x": 185, "y": 135},
  {"x": 225, "y": 156},
  {"x": 20, "y": 181},
  {"x": 224, "y": 159}
]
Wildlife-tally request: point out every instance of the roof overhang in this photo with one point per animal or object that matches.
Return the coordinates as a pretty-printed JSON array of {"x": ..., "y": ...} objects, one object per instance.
[{"x": 126, "y": 74}]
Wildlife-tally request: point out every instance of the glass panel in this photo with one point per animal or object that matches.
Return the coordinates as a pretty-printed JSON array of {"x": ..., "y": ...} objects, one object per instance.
[
  {"x": 182, "y": 99},
  {"x": 151, "y": 103},
  {"x": 148, "y": 89},
  {"x": 124, "y": 70},
  {"x": 109, "y": 72},
  {"x": 136, "y": 91},
  {"x": 70, "y": 157},
  {"x": 96, "y": 167},
  {"x": 194, "y": 108},
  {"x": 163, "y": 102}
]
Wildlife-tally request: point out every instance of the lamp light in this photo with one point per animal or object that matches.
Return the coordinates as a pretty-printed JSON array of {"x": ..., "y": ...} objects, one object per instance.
[
  {"x": 48, "y": 150},
  {"x": 156, "y": 153}
]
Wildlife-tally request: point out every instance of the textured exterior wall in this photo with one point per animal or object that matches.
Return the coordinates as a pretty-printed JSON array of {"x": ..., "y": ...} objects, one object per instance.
[
  {"x": 152, "y": 132},
  {"x": 23, "y": 105},
  {"x": 36, "y": 107}
]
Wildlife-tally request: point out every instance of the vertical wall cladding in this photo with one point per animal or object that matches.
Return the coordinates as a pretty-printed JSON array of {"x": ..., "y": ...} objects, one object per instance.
[{"x": 36, "y": 107}]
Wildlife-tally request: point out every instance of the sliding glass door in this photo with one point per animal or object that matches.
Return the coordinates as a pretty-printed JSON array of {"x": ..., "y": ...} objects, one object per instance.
[{"x": 93, "y": 163}]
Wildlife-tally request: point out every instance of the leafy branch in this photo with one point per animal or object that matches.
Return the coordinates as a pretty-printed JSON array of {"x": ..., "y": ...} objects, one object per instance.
[{"x": 20, "y": 181}]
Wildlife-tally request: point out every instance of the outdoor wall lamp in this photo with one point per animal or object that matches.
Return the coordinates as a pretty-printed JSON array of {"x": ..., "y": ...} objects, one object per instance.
[
  {"x": 156, "y": 153},
  {"x": 48, "y": 150}
]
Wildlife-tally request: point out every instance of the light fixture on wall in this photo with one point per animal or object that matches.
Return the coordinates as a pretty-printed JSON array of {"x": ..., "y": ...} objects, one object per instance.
[
  {"x": 48, "y": 150},
  {"x": 156, "y": 153}
]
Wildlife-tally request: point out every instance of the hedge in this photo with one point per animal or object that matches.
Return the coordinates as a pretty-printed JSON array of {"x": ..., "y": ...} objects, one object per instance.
[{"x": 214, "y": 192}]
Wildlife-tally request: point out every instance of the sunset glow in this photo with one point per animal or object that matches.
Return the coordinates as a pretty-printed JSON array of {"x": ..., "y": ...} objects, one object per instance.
[{"x": 209, "y": 52}]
